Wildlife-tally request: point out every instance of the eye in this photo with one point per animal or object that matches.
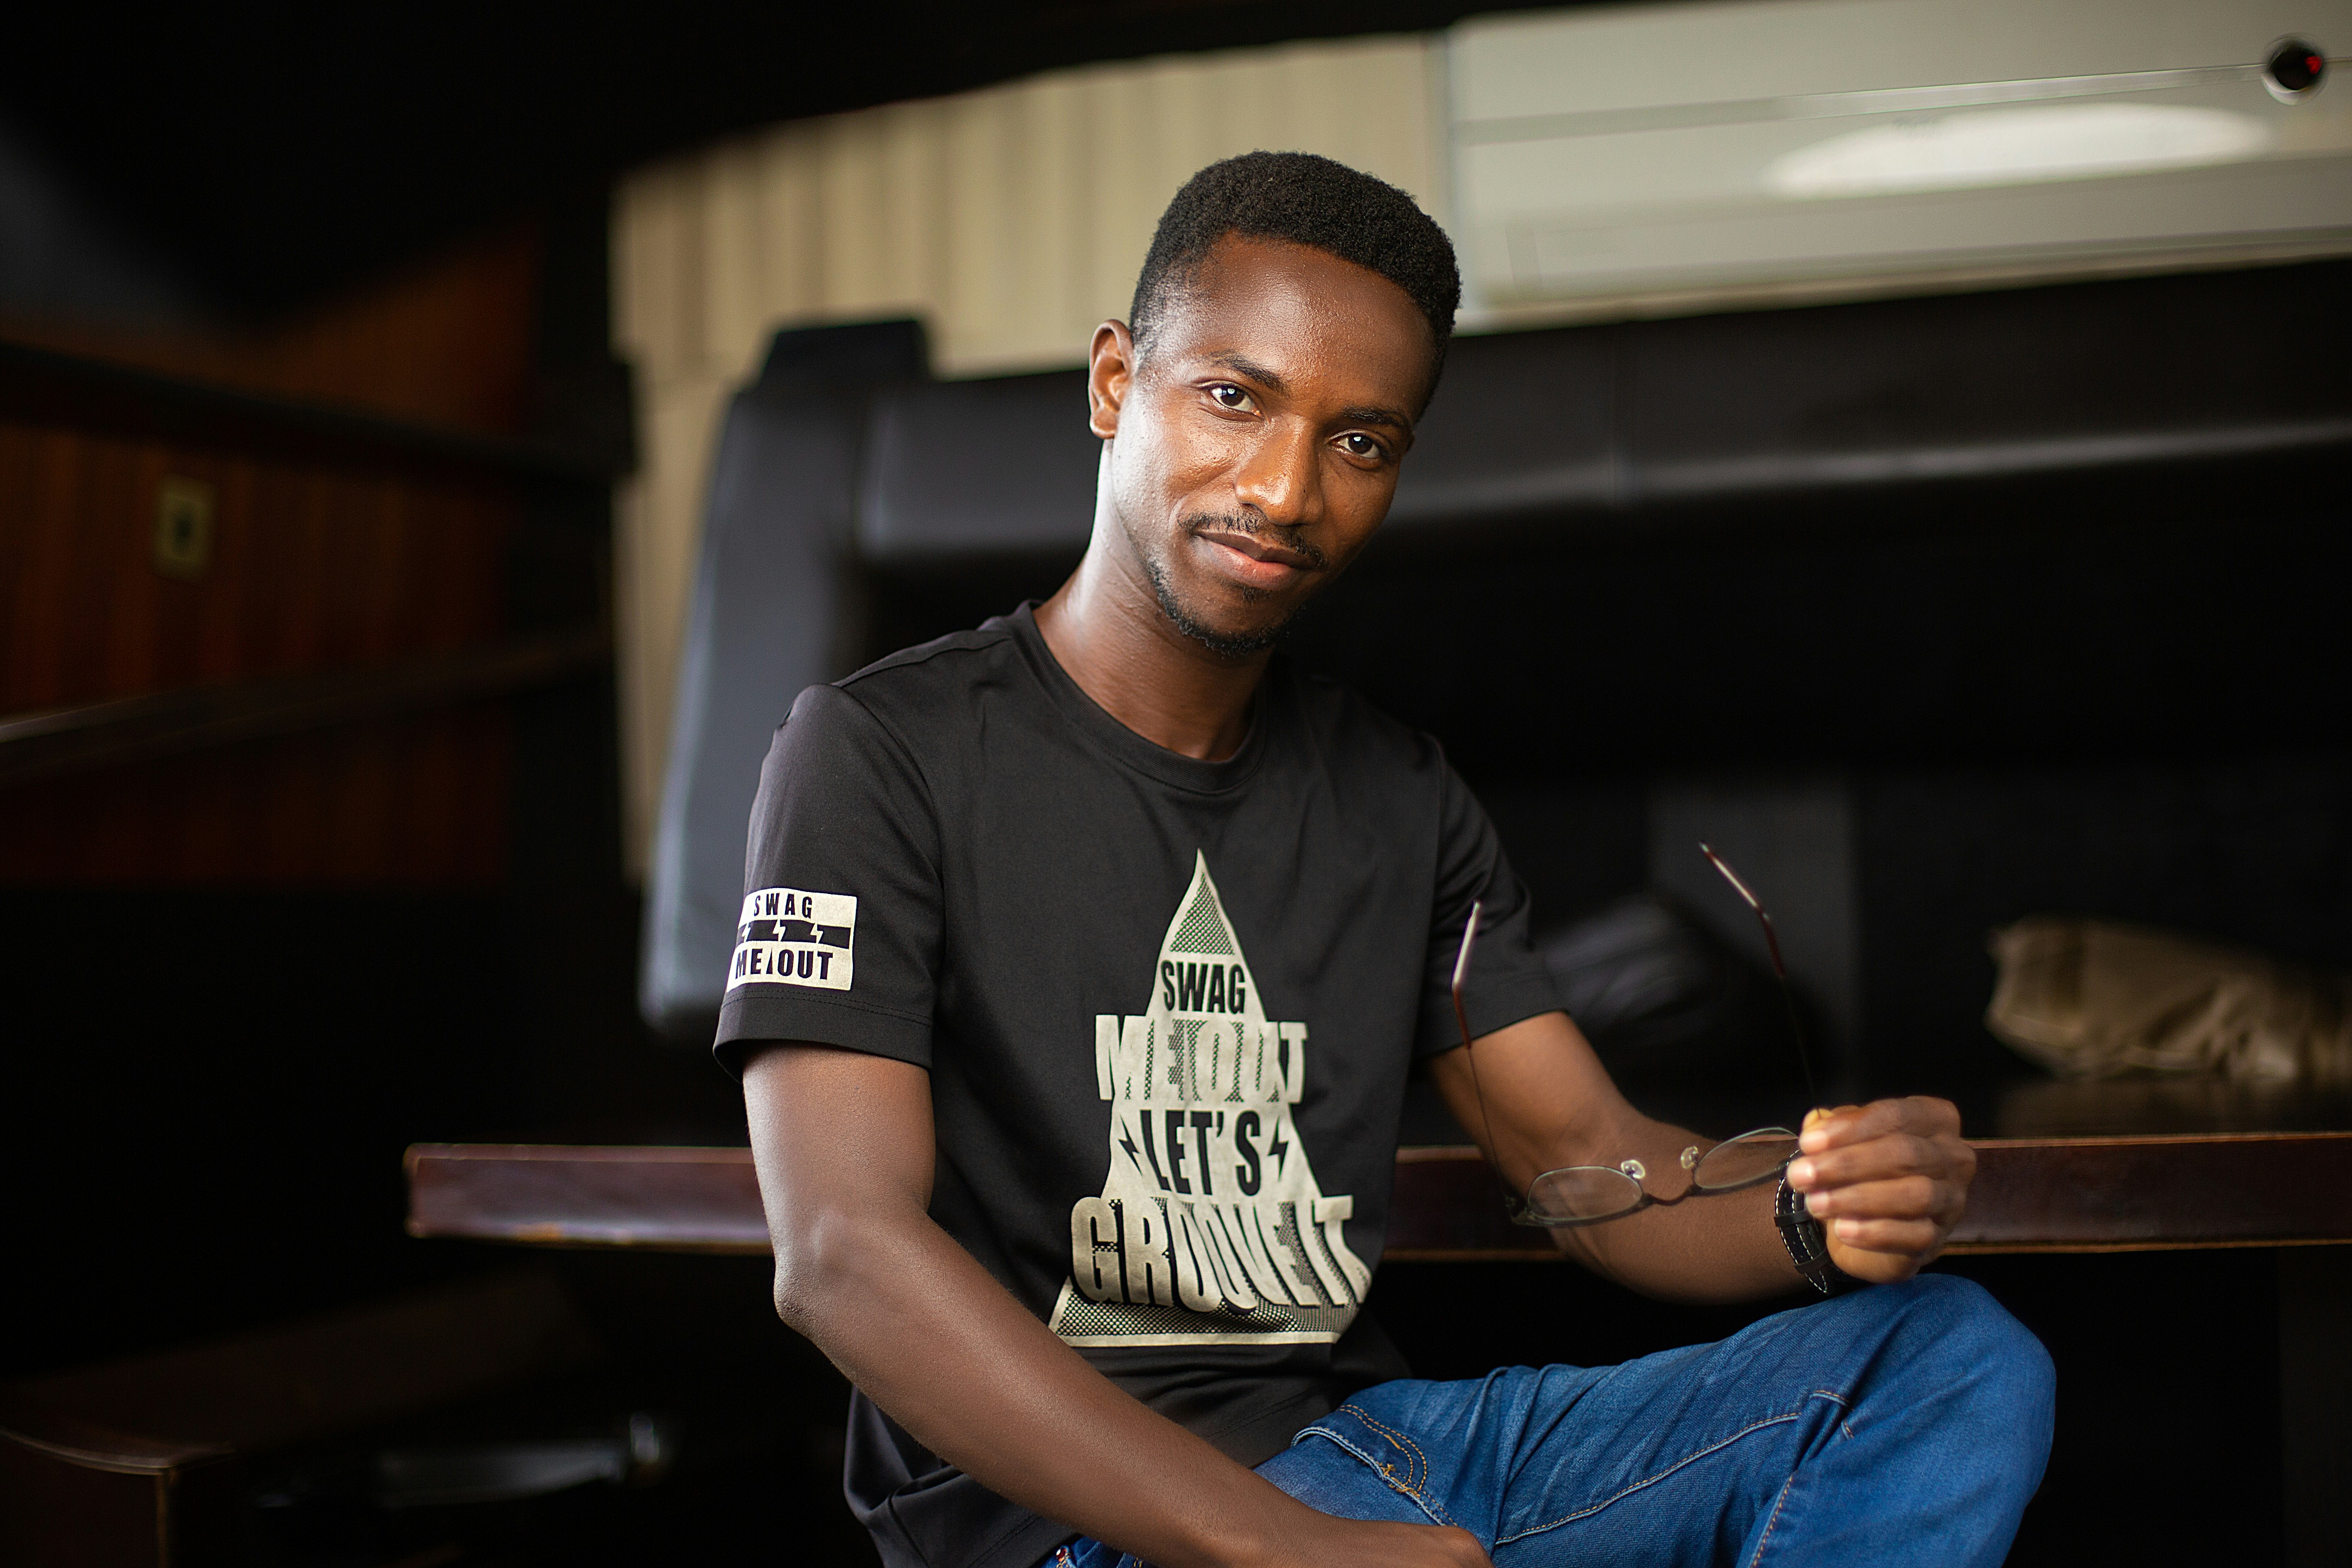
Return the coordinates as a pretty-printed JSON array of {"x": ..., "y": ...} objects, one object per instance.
[
  {"x": 1228, "y": 396},
  {"x": 1356, "y": 444}
]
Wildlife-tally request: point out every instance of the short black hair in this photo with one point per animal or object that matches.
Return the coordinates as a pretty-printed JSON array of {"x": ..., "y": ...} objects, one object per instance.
[{"x": 1308, "y": 200}]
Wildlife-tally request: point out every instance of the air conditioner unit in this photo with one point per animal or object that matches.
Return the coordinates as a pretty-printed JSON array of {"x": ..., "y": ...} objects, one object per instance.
[{"x": 1619, "y": 160}]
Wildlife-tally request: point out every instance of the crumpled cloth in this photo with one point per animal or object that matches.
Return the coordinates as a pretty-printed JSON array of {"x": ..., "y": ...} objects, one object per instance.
[{"x": 2090, "y": 998}]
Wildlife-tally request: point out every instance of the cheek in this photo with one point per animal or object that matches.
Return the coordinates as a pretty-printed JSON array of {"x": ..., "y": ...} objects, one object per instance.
[
  {"x": 1358, "y": 502},
  {"x": 1167, "y": 461},
  {"x": 1353, "y": 514}
]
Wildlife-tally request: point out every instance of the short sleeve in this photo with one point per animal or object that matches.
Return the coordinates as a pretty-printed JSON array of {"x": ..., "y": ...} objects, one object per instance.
[
  {"x": 1507, "y": 982},
  {"x": 838, "y": 939}
]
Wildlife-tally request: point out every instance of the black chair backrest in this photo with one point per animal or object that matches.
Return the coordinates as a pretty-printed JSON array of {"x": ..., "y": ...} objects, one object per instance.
[{"x": 767, "y": 620}]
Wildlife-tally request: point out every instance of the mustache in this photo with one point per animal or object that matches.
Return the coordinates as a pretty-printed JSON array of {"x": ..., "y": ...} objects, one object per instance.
[{"x": 1256, "y": 526}]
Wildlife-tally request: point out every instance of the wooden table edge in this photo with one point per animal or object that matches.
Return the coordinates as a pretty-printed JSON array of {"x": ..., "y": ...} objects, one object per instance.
[{"x": 644, "y": 1232}]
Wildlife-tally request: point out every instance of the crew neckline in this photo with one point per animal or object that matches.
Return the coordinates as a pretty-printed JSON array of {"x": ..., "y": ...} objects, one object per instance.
[{"x": 1139, "y": 752}]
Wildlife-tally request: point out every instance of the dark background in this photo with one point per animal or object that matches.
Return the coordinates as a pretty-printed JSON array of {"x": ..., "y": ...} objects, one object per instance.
[{"x": 2123, "y": 703}]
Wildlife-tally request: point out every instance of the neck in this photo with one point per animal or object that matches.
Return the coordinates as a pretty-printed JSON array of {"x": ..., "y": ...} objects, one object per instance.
[{"x": 1106, "y": 629}]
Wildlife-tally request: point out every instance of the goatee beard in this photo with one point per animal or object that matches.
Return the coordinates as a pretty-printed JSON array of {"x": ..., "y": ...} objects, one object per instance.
[{"x": 1225, "y": 644}]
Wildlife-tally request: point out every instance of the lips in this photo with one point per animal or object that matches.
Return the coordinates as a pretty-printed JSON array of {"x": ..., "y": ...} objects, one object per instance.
[{"x": 1253, "y": 560}]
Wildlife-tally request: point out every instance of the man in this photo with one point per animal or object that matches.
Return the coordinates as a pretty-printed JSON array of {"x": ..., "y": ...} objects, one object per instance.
[{"x": 1083, "y": 961}]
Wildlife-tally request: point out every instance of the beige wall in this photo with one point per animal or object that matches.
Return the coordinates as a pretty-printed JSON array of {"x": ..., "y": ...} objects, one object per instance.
[{"x": 1012, "y": 220}]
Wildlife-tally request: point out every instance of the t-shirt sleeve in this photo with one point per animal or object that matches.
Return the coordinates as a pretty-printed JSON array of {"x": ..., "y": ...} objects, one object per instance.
[
  {"x": 838, "y": 939},
  {"x": 1507, "y": 982}
]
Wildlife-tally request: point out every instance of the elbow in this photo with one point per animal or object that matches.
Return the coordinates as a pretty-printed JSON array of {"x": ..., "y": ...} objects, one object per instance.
[{"x": 823, "y": 1252}]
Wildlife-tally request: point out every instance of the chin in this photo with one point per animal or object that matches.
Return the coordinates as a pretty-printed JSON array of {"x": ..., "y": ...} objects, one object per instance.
[{"x": 1250, "y": 626}]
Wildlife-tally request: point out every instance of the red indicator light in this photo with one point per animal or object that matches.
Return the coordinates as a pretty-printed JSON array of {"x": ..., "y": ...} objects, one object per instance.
[{"x": 2295, "y": 67}]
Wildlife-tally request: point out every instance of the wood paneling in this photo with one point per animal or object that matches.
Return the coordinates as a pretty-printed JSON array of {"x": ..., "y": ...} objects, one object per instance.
[
  {"x": 320, "y": 561},
  {"x": 312, "y": 568}
]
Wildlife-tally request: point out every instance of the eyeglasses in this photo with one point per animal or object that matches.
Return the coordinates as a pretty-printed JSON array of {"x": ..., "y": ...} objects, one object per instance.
[{"x": 1588, "y": 1194}]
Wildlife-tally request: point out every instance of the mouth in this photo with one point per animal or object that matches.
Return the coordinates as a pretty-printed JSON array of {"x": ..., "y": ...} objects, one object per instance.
[{"x": 1253, "y": 560}]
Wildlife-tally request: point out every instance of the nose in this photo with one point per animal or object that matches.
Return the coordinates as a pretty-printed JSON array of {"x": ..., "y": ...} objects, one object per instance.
[{"x": 1282, "y": 477}]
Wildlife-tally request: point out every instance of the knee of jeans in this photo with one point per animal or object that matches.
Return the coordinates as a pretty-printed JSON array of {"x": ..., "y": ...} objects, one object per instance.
[{"x": 1977, "y": 1336}]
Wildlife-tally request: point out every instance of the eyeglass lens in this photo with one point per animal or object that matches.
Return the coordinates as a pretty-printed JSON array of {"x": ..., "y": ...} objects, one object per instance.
[
  {"x": 1744, "y": 1161},
  {"x": 1581, "y": 1195}
]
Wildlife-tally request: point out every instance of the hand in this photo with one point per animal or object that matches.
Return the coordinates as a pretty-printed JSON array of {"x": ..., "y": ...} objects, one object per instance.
[{"x": 1888, "y": 1181}]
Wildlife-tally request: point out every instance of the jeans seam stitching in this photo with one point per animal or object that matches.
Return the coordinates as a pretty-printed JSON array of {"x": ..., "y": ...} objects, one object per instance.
[
  {"x": 1417, "y": 1484},
  {"x": 1779, "y": 1504},
  {"x": 1436, "y": 1513},
  {"x": 1399, "y": 1438},
  {"x": 1646, "y": 1481}
]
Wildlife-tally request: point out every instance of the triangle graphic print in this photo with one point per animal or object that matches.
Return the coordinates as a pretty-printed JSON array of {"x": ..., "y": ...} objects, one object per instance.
[{"x": 1210, "y": 1228}]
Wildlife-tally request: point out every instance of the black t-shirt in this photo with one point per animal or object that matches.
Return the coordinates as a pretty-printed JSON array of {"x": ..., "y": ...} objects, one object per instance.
[{"x": 1167, "y": 1005}]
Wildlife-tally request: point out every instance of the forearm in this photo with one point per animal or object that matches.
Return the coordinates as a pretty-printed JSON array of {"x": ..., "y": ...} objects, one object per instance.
[
  {"x": 932, "y": 1338},
  {"x": 1705, "y": 1247},
  {"x": 1537, "y": 1099}
]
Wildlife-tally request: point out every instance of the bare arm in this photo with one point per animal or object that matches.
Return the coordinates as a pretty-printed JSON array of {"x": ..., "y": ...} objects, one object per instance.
[
  {"x": 844, "y": 1146},
  {"x": 1889, "y": 1180}
]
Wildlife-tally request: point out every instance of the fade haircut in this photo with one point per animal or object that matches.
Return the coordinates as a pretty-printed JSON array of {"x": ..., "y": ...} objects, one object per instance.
[{"x": 1306, "y": 200}]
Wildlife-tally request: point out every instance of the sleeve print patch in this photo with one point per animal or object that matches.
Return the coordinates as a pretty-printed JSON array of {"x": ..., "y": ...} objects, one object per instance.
[{"x": 788, "y": 937}]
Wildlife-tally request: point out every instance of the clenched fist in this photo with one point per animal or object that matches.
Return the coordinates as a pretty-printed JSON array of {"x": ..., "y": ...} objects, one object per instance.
[{"x": 1888, "y": 1181}]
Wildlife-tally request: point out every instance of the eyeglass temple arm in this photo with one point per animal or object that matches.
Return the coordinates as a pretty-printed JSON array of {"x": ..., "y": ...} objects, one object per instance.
[
  {"x": 1462, "y": 1021},
  {"x": 1780, "y": 969}
]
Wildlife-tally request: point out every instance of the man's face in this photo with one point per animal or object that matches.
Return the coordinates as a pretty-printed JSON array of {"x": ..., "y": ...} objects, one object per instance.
[{"x": 1258, "y": 441}]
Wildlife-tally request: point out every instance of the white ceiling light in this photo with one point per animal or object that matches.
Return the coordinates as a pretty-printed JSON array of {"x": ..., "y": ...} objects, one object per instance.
[{"x": 2016, "y": 146}]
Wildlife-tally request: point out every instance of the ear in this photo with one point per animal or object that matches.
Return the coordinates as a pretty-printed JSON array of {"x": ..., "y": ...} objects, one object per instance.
[{"x": 1110, "y": 371}]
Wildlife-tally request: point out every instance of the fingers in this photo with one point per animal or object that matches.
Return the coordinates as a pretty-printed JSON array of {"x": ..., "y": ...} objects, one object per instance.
[
  {"x": 1911, "y": 1238},
  {"x": 1885, "y": 1159},
  {"x": 1901, "y": 1197},
  {"x": 1841, "y": 1125},
  {"x": 1914, "y": 1215}
]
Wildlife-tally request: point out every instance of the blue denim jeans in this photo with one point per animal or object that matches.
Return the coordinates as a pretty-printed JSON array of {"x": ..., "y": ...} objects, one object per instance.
[{"x": 1902, "y": 1424}]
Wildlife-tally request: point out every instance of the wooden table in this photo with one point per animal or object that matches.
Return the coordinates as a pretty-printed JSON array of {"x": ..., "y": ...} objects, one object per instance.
[{"x": 2032, "y": 1194}]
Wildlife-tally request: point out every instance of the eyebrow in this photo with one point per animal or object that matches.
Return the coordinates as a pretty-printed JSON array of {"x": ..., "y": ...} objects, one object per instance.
[{"x": 1241, "y": 365}]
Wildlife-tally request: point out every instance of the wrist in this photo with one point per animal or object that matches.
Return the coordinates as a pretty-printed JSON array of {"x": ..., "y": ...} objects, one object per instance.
[{"x": 1806, "y": 1244}]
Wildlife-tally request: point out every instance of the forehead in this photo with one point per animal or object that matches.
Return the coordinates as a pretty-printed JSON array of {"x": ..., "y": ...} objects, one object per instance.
[{"x": 1303, "y": 313}]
